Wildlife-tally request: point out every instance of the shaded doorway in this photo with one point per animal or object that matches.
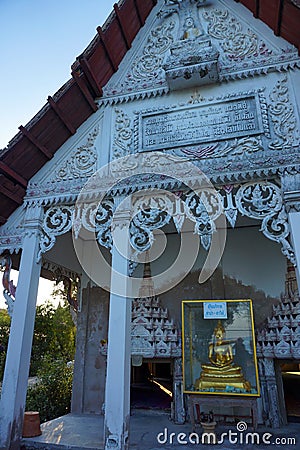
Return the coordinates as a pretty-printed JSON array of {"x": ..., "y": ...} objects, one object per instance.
[
  {"x": 291, "y": 386},
  {"x": 151, "y": 385}
]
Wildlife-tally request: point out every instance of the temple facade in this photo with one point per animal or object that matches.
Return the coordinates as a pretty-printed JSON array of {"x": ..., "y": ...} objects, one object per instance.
[{"x": 182, "y": 182}]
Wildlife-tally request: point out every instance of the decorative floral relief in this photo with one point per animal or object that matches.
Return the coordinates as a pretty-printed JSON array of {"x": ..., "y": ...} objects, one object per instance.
[
  {"x": 237, "y": 44},
  {"x": 82, "y": 162},
  {"x": 123, "y": 138},
  {"x": 243, "y": 146},
  {"x": 283, "y": 117},
  {"x": 243, "y": 53},
  {"x": 147, "y": 68},
  {"x": 158, "y": 43}
]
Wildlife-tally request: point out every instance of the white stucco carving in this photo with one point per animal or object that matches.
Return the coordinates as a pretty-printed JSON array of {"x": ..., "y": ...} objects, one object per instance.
[
  {"x": 57, "y": 221},
  {"x": 81, "y": 163},
  {"x": 153, "y": 334},
  {"x": 123, "y": 135},
  {"x": 195, "y": 43},
  {"x": 280, "y": 338}
]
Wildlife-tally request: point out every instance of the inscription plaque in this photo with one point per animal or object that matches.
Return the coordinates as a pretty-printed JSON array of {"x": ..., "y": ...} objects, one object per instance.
[{"x": 227, "y": 119}]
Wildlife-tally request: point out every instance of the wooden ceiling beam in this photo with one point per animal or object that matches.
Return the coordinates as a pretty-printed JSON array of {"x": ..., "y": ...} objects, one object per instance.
[
  {"x": 256, "y": 10},
  {"x": 35, "y": 142},
  {"x": 61, "y": 115},
  {"x": 16, "y": 198},
  {"x": 12, "y": 174},
  {"x": 278, "y": 7},
  {"x": 84, "y": 90},
  {"x": 88, "y": 72},
  {"x": 122, "y": 26},
  {"x": 138, "y": 11},
  {"x": 107, "y": 49}
]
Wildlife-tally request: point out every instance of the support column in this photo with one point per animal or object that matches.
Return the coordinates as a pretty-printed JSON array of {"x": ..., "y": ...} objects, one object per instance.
[
  {"x": 16, "y": 372},
  {"x": 77, "y": 401},
  {"x": 272, "y": 392},
  {"x": 264, "y": 394},
  {"x": 117, "y": 390},
  {"x": 178, "y": 399}
]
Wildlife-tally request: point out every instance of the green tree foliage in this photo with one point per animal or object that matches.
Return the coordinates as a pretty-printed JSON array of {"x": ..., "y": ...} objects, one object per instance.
[
  {"x": 52, "y": 348},
  {"x": 51, "y": 396},
  {"x": 4, "y": 333},
  {"x": 54, "y": 335}
]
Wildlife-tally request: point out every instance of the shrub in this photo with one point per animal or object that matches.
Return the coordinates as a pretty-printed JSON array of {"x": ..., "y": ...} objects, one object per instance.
[
  {"x": 54, "y": 335},
  {"x": 51, "y": 395},
  {"x": 2, "y": 365}
]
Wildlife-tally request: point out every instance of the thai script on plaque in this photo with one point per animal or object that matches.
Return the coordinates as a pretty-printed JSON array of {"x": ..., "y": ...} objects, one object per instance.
[
  {"x": 215, "y": 310},
  {"x": 200, "y": 123}
]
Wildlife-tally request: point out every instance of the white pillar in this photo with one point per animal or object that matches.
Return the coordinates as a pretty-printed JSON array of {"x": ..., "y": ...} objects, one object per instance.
[
  {"x": 294, "y": 221},
  {"x": 117, "y": 390},
  {"x": 16, "y": 372}
]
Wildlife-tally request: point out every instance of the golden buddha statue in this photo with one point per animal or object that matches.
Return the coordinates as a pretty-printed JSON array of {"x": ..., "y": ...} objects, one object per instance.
[{"x": 222, "y": 373}]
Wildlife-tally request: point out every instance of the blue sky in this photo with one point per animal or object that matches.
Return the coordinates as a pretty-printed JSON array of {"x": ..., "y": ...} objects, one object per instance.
[{"x": 39, "y": 40}]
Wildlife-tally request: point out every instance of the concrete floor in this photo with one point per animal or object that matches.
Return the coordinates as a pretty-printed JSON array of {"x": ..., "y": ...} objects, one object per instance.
[{"x": 85, "y": 432}]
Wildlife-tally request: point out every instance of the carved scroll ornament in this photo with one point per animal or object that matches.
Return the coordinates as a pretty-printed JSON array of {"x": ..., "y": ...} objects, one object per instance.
[
  {"x": 263, "y": 201},
  {"x": 57, "y": 221},
  {"x": 257, "y": 200}
]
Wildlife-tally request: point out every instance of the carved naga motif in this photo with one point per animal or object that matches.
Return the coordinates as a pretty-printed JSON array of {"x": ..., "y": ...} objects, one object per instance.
[{"x": 9, "y": 291}]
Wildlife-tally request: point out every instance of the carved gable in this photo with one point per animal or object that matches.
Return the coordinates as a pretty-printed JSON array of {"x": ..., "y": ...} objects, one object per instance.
[{"x": 189, "y": 43}]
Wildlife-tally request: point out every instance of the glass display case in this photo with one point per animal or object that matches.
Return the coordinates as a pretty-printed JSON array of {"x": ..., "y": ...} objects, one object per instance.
[{"x": 219, "y": 354}]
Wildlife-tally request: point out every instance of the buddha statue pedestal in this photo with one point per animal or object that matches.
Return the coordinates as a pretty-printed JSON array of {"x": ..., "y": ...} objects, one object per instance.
[{"x": 220, "y": 378}]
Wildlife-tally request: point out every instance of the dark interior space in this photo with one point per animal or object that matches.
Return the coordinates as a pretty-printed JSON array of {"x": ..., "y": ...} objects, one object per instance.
[
  {"x": 151, "y": 385},
  {"x": 291, "y": 385}
]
